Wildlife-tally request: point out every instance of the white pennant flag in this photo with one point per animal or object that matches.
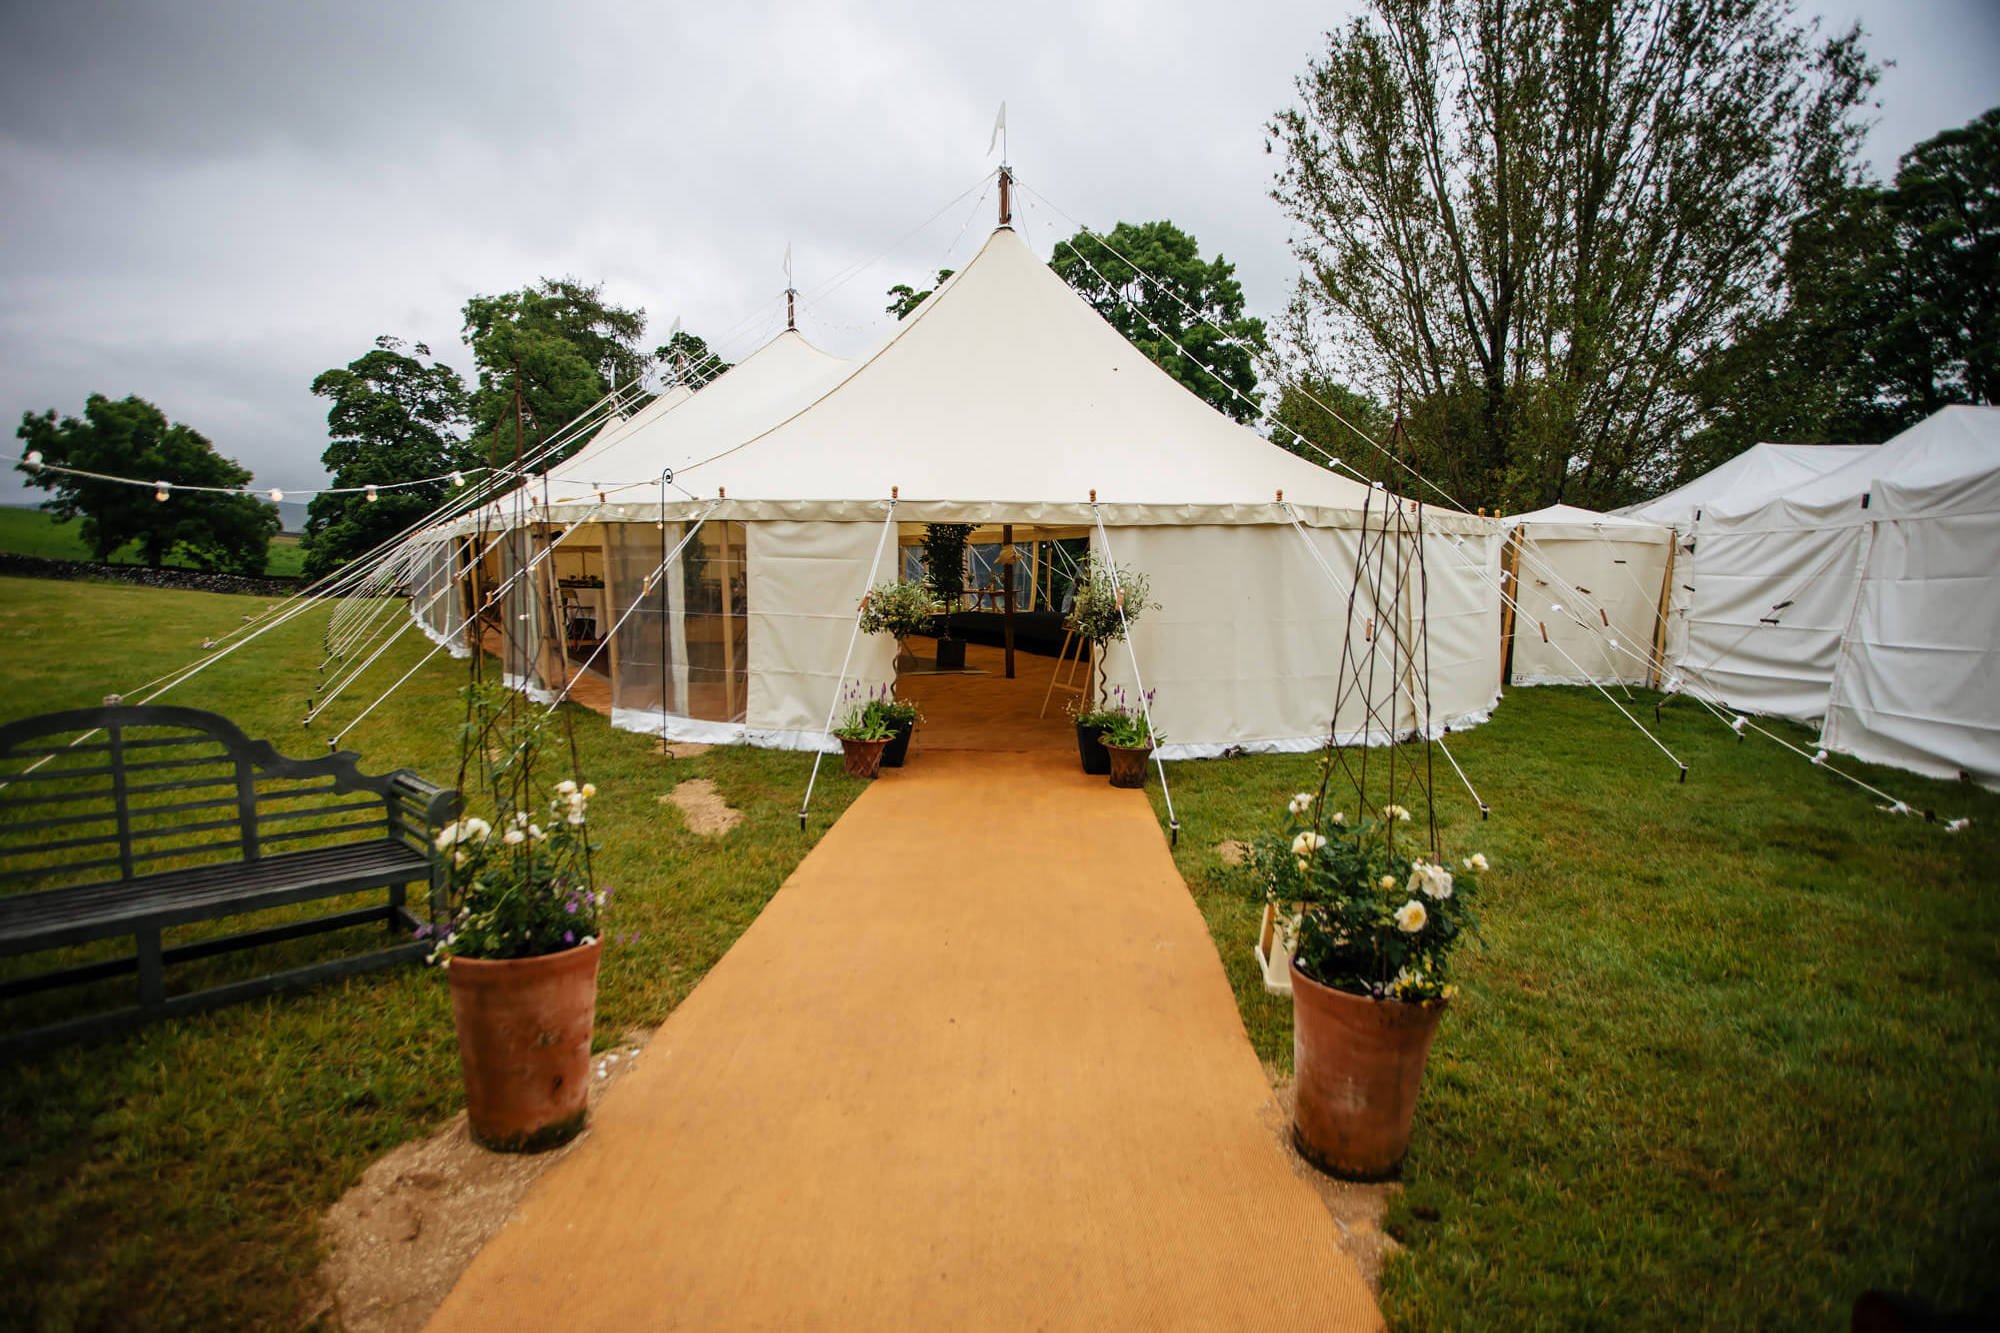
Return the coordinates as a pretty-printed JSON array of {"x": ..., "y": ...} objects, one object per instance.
[
  {"x": 788, "y": 263},
  {"x": 999, "y": 127}
]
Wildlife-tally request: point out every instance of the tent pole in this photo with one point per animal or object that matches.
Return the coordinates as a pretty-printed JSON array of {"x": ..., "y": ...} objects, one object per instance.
[
  {"x": 728, "y": 626},
  {"x": 1007, "y": 594},
  {"x": 1510, "y": 586},
  {"x": 1660, "y": 622}
]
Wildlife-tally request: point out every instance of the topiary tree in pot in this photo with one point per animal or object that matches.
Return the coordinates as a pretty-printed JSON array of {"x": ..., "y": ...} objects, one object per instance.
[{"x": 944, "y": 574}]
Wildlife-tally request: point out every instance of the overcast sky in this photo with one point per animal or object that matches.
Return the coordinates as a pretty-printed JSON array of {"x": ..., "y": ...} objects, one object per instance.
[{"x": 208, "y": 203}]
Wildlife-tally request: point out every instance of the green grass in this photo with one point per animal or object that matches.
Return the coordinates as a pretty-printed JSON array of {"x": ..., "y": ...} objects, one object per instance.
[
  {"x": 174, "y": 1178},
  {"x": 1731, "y": 1054},
  {"x": 33, "y": 532}
]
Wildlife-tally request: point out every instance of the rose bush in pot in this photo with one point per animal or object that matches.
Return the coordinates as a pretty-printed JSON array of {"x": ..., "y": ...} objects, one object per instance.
[{"x": 1374, "y": 917}]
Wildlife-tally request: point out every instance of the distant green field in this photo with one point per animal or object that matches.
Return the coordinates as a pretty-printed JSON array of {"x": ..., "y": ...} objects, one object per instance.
[{"x": 32, "y": 532}]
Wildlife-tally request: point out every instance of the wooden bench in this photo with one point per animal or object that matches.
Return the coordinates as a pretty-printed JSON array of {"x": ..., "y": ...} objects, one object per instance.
[{"x": 128, "y": 821}]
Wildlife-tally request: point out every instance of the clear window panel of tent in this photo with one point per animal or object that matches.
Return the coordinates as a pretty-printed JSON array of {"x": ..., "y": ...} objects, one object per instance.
[{"x": 683, "y": 644}]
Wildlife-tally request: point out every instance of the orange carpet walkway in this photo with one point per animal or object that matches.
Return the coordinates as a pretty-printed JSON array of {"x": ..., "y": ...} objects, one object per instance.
[{"x": 975, "y": 1066}]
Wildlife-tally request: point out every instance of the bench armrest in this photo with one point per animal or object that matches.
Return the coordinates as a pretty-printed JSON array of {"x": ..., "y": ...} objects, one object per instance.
[{"x": 433, "y": 805}]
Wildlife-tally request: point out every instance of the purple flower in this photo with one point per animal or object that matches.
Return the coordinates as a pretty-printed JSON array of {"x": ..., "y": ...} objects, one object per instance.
[
  {"x": 569, "y": 937},
  {"x": 570, "y": 907}
]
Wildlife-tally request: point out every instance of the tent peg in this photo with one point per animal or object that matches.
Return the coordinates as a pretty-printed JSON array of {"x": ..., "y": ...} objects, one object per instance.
[
  {"x": 1684, "y": 775},
  {"x": 1485, "y": 811},
  {"x": 802, "y": 821},
  {"x": 1173, "y": 833}
]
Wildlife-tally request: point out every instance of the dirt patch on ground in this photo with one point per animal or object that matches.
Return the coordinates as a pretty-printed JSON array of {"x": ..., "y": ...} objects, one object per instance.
[
  {"x": 1357, "y": 1208},
  {"x": 1233, "y": 853},
  {"x": 398, "y": 1240},
  {"x": 681, "y": 749},
  {"x": 707, "y": 814}
]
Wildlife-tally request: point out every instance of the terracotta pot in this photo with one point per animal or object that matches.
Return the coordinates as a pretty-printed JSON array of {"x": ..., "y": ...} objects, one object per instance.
[
  {"x": 863, "y": 758},
  {"x": 524, "y": 1042},
  {"x": 899, "y": 744},
  {"x": 1128, "y": 764},
  {"x": 1358, "y": 1064},
  {"x": 1090, "y": 749}
]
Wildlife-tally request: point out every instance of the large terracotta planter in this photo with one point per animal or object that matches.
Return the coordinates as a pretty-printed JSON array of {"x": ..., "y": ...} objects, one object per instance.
[
  {"x": 524, "y": 1042},
  {"x": 863, "y": 759},
  {"x": 1128, "y": 764},
  {"x": 1359, "y": 1064},
  {"x": 1090, "y": 749}
]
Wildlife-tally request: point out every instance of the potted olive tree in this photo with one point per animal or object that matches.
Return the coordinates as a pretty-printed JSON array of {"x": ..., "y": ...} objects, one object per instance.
[
  {"x": 944, "y": 573},
  {"x": 1379, "y": 916},
  {"x": 1103, "y": 609},
  {"x": 521, "y": 939},
  {"x": 901, "y": 608}
]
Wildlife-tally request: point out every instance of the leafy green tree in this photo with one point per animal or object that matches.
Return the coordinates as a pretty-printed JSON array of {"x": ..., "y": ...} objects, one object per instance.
[
  {"x": 396, "y": 416},
  {"x": 1329, "y": 414},
  {"x": 904, "y": 299},
  {"x": 1891, "y": 310},
  {"x": 686, "y": 359},
  {"x": 1184, "y": 312},
  {"x": 1533, "y": 218},
  {"x": 129, "y": 437},
  {"x": 545, "y": 355}
]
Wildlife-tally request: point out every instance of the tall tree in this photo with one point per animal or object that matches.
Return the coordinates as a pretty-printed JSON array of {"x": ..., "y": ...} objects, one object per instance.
[
  {"x": 130, "y": 437},
  {"x": 1533, "y": 217},
  {"x": 1891, "y": 310},
  {"x": 550, "y": 350},
  {"x": 904, "y": 299},
  {"x": 396, "y": 416},
  {"x": 1150, "y": 282},
  {"x": 687, "y": 359}
]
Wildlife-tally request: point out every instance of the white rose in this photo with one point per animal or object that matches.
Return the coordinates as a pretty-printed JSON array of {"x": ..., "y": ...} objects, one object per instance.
[
  {"x": 1388, "y": 882},
  {"x": 513, "y": 837},
  {"x": 446, "y": 836},
  {"x": 1411, "y": 916},
  {"x": 1307, "y": 843},
  {"x": 574, "y": 819},
  {"x": 478, "y": 829},
  {"x": 1301, "y": 803},
  {"x": 535, "y": 832},
  {"x": 1340, "y": 817},
  {"x": 566, "y": 787},
  {"x": 590, "y": 790},
  {"x": 1436, "y": 881},
  {"x": 1476, "y": 861}
]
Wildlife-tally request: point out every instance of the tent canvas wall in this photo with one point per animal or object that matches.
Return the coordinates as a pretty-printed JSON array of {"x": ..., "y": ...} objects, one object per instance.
[
  {"x": 1006, "y": 399},
  {"x": 1866, "y": 597},
  {"x": 1587, "y": 595}
]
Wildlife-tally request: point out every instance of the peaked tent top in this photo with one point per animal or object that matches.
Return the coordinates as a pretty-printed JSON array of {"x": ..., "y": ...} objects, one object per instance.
[
  {"x": 1573, "y": 521},
  {"x": 1761, "y": 472},
  {"x": 1006, "y": 391},
  {"x": 1947, "y": 463}
]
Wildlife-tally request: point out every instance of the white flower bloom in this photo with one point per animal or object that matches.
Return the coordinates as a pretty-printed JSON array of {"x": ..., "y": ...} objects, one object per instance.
[
  {"x": 1411, "y": 916},
  {"x": 1304, "y": 865},
  {"x": 1435, "y": 881},
  {"x": 1340, "y": 818},
  {"x": 566, "y": 787},
  {"x": 1301, "y": 803},
  {"x": 458, "y": 858},
  {"x": 1307, "y": 843},
  {"x": 1388, "y": 882},
  {"x": 589, "y": 790},
  {"x": 446, "y": 836},
  {"x": 535, "y": 832},
  {"x": 513, "y": 837},
  {"x": 520, "y": 819},
  {"x": 477, "y": 829},
  {"x": 1477, "y": 860},
  {"x": 574, "y": 819},
  {"x": 600, "y": 898}
]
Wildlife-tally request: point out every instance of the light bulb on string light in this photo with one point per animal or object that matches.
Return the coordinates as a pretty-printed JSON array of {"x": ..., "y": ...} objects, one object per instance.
[
  {"x": 370, "y": 493},
  {"x": 277, "y": 496},
  {"x": 33, "y": 461},
  {"x": 161, "y": 490},
  {"x": 458, "y": 478}
]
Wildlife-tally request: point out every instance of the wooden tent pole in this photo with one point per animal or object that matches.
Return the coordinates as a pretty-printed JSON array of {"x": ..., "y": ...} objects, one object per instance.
[
  {"x": 1007, "y": 594},
  {"x": 1510, "y": 585},
  {"x": 1659, "y": 663}
]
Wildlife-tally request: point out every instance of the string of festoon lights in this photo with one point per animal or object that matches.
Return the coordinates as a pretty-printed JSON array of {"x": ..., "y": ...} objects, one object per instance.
[{"x": 33, "y": 461}]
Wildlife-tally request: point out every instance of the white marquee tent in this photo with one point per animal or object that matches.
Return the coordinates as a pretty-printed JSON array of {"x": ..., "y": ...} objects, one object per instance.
[
  {"x": 1587, "y": 596},
  {"x": 1868, "y": 596},
  {"x": 1003, "y": 399}
]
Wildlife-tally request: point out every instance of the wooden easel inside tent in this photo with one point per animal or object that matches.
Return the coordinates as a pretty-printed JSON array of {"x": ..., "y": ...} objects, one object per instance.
[{"x": 1064, "y": 675}]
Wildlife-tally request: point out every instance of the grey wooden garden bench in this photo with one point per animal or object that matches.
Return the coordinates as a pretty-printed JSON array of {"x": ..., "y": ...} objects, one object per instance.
[{"x": 128, "y": 820}]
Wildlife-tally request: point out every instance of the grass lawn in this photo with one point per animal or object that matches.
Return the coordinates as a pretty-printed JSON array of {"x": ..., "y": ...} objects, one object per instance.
[
  {"x": 33, "y": 532},
  {"x": 1731, "y": 1056},
  {"x": 174, "y": 1178}
]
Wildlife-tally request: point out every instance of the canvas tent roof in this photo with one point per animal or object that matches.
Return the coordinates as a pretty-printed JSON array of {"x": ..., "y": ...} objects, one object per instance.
[
  {"x": 1005, "y": 389},
  {"x": 1761, "y": 472},
  {"x": 1948, "y": 462},
  {"x": 1561, "y": 520}
]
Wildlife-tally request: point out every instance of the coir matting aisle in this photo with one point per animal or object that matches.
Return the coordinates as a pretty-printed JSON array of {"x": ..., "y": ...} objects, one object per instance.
[{"x": 976, "y": 1066}]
